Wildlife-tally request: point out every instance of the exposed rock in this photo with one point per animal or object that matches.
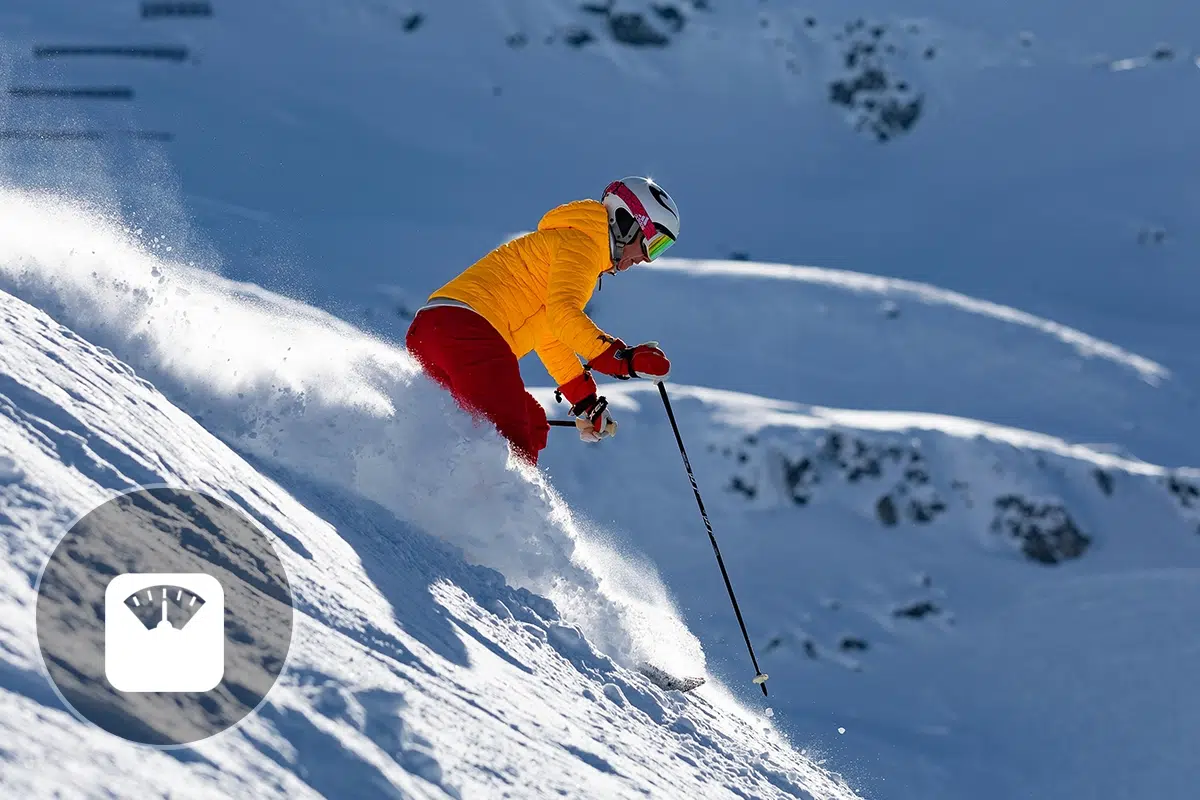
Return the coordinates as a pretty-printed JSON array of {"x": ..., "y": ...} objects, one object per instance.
[
  {"x": 671, "y": 16},
  {"x": 916, "y": 475},
  {"x": 925, "y": 511},
  {"x": 1185, "y": 491},
  {"x": 857, "y": 461},
  {"x": 1187, "y": 494},
  {"x": 799, "y": 477},
  {"x": 577, "y": 37},
  {"x": 845, "y": 92},
  {"x": 1044, "y": 529},
  {"x": 1163, "y": 52},
  {"x": 897, "y": 116},
  {"x": 885, "y": 509},
  {"x": 885, "y": 104},
  {"x": 1151, "y": 236},
  {"x": 1104, "y": 480},
  {"x": 917, "y": 610},
  {"x": 631, "y": 28},
  {"x": 738, "y": 485}
]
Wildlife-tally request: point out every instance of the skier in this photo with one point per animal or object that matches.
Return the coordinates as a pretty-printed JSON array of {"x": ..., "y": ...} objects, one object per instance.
[{"x": 529, "y": 294}]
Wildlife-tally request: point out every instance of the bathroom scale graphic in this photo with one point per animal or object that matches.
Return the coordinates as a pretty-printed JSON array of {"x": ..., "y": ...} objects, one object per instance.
[{"x": 164, "y": 632}]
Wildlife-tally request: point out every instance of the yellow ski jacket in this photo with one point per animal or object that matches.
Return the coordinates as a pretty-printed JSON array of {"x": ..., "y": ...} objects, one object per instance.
[{"x": 534, "y": 288}]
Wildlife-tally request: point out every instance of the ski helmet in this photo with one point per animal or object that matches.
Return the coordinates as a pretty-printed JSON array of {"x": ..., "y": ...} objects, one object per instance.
[{"x": 635, "y": 204}]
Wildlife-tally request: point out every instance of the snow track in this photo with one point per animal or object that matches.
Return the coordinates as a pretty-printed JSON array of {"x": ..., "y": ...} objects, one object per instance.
[{"x": 1086, "y": 345}]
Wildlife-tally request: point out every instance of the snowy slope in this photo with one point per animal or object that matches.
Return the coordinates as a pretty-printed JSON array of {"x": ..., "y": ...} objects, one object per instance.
[
  {"x": 331, "y": 147},
  {"x": 840, "y": 608},
  {"x": 939, "y": 587},
  {"x": 1008, "y": 281},
  {"x": 411, "y": 674}
]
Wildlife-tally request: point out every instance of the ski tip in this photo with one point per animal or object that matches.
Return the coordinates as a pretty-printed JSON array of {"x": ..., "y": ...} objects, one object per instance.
[
  {"x": 687, "y": 684},
  {"x": 668, "y": 682}
]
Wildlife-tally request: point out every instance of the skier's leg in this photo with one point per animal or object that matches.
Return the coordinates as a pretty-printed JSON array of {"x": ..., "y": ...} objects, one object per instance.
[
  {"x": 466, "y": 354},
  {"x": 493, "y": 388},
  {"x": 424, "y": 344},
  {"x": 539, "y": 426}
]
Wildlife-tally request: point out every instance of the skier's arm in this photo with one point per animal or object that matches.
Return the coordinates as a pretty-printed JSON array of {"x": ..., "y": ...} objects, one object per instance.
[
  {"x": 560, "y": 360},
  {"x": 578, "y": 388},
  {"x": 572, "y": 275}
]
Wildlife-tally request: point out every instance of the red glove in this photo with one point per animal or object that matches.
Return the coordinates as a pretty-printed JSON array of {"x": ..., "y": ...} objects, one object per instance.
[
  {"x": 643, "y": 361},
  {"x": 591, "y": 412}
]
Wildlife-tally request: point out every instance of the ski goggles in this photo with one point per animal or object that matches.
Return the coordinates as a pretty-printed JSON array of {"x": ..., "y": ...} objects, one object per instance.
[
  {"x": 656, "y": 245},
  {"x": 655, "y": 240}
]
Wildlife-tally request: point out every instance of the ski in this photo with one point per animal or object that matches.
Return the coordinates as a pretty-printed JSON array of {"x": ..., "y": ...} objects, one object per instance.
[{"x": 668, "y": 682}]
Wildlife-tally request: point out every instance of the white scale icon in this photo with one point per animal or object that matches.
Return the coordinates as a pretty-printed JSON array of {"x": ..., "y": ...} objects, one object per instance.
[{"x": 164, "y": 632}]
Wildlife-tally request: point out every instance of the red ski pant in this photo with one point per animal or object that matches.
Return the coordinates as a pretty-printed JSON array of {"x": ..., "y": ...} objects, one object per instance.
[{"x": 467, "y": 356}]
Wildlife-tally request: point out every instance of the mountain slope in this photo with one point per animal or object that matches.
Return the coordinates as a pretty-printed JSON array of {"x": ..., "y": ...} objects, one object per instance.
[
  {"x": 1010, "y": 284},
  {"x": 873, "y": 550},
  {"x": 946, "y": 607},
  {"x": 305, "y": 144},
  {"x": 410, "y": 673}
]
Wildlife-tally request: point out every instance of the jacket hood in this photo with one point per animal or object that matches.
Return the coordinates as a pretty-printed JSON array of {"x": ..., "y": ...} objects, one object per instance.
[{"x": 588, "y": 216}]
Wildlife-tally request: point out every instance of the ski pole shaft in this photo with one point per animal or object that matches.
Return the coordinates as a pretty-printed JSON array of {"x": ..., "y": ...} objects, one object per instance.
[
  {"x": 561, "y": 423},
  {"x": 759, "y": 677}
]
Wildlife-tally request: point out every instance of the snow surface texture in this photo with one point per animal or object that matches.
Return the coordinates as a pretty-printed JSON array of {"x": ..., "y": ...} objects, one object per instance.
[
  {"x": 944, "y": 471},
  {"x": 411, "y": 674}
]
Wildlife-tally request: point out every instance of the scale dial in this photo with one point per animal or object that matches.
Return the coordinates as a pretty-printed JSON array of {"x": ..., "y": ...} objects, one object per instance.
[{"x": 164, "y": 605}]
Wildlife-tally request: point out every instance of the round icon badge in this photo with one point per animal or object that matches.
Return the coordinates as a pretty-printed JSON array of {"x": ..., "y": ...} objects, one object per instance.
[{"x": 164, "y": 616}]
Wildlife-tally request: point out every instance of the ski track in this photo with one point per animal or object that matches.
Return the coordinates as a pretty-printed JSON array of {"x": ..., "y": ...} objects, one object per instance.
[{"x": 1150, "y": 371}]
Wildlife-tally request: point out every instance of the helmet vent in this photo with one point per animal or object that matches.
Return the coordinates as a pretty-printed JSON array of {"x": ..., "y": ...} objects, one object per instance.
[{"x": 626, "y": 225}]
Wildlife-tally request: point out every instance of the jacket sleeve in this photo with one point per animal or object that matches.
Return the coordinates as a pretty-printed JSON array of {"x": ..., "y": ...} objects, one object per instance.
[
  {"x": 572, "y": 275},
  {"x": 560, "y": 360}
]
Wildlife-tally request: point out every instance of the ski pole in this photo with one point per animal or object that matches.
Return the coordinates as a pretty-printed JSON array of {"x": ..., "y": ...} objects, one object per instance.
[
  {"x": 759, "y": 676},
  {"x": 561, "y": 423}
]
